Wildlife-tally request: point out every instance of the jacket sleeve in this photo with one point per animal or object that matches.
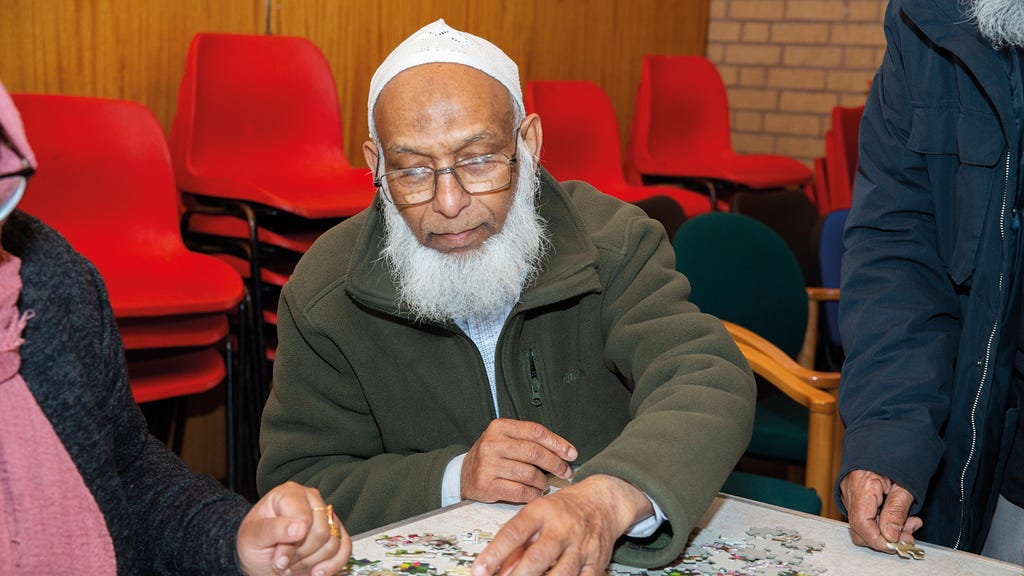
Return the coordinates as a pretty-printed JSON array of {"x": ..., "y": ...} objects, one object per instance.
[
  {"x": 692, "y": 405},
  {"x": 899, "y": 310},
  {"x": 318, "y": 430}
]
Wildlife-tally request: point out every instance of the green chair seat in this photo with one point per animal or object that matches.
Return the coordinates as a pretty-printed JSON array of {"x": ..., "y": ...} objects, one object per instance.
[{"x": 773, "y": 491}]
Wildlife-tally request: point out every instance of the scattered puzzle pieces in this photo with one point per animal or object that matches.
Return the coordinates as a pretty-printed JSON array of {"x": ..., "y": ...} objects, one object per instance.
[{"x": 761, "y": 551}]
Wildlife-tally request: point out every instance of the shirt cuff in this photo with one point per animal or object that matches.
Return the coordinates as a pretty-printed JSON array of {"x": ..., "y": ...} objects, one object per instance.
[
  {"x": 451, "y": 482},
  {"x": 647, "y": 526}
]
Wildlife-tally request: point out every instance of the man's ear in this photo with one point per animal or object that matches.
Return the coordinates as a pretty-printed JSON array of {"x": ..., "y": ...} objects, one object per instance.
[
  {"x": 370, "y": 154},
  {"x": 532, "y": 135}
]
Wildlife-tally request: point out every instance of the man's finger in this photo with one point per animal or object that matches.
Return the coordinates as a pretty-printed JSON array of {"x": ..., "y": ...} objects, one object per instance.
[
  {"x": 507, "y": 546},
  {"x": 895, "y": 510},
  {"x": 541, "y": 457},
  {"x": 534, "y": 432},
  {"x": 862, "y": 509}
]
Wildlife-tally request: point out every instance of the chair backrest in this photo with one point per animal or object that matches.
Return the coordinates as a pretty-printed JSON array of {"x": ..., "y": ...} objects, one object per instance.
[
  {"x": 742, "y": 271},
  {"x": 581, "y": 133},
  {"x": 830, "y": 258},
  {"x": 791, "y": 215},
  {"x": 104, "y": 174},
  {"x": 681, "y": 107},
  {"x": 841, "y": 152},
  {"x": 255, "y": 103}
]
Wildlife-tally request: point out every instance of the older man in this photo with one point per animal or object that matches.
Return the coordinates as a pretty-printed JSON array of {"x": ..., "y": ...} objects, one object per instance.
[
  {"x": 932, "y": 280},
  {"x": 482, "y": 326}
]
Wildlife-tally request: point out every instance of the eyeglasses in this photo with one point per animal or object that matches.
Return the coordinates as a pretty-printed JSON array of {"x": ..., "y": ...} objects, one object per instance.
[
  {"x": 6, "y": 145},
  {"x": 12, "y": 184},
  {"x": 476, "y": 175}
]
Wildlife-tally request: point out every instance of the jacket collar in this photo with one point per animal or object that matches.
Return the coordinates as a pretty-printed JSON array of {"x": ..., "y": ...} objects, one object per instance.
[
  {"x": 948, "y": 27},
  {"x": 569, "y": 269}
]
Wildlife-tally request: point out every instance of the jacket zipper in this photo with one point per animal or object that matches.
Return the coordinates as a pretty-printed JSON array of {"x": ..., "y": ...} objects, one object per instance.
[
  {"x": 537, "y": 390},
  {"x": 985, "y": 367},
  {"x": 536, "y": 398}
]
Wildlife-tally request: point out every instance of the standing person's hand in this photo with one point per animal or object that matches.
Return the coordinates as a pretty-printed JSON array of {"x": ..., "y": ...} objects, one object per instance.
[
  {"x": 510, "y": 460},
  {"x": 878, "y": 510},
  {"x": 291, "y": 531},
  {"x": 568, "y": 533}
]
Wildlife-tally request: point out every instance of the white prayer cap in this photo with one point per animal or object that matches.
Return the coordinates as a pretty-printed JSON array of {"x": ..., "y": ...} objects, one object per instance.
[{"x": 439, "y": 42}]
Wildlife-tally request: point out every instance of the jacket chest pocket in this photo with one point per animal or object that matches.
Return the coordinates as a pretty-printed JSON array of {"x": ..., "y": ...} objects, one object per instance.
[{"x": 965, "y": 153}]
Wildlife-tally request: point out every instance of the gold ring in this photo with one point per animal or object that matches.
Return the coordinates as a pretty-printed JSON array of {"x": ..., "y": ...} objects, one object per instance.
[{"x": 335, "y": 528}]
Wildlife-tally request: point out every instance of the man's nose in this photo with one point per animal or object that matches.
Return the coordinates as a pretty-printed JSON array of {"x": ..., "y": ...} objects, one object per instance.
[{"x": 449, "y": 196}]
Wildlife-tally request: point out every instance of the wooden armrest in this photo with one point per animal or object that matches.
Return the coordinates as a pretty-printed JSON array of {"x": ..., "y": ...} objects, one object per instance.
[
  {"x": 822, "y": 294},
  {"x": 818, "y": 379},
  {"x": 782, "y": 378},
  {"x": 822, "y": 422}
]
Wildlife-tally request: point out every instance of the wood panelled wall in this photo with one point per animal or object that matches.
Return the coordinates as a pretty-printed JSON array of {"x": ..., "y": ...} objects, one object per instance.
[{"x": 136, "y": 49}]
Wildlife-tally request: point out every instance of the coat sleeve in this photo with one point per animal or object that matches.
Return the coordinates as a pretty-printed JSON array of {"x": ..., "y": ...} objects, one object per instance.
[
  {"x": 692, "y": 405},
  {"x": 899, "y": 312}
]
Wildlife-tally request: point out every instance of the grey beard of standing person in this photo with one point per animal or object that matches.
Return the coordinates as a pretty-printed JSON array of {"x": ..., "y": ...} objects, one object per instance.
[
  {"x": 999, "y": 21},
  {"x": 440, "y": 287}
]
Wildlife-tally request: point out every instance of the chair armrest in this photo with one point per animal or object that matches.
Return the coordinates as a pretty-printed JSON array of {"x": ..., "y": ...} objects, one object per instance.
[
  {"x": 822, "y": 294},
  {"x": 821, "y": 380},
  {"x": 781, "y": 377},
  {"x": 822, "y": 422}
]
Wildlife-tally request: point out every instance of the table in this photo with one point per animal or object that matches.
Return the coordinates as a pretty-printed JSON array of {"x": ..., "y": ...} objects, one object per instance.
[{"x": 445, "y": 541}]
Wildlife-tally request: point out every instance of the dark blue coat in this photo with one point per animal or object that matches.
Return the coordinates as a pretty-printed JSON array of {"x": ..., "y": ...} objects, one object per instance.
[{"x": 931, "y": 274}]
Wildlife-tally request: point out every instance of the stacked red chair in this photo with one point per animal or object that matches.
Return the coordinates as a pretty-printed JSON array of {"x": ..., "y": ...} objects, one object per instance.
[
  {"x": 105, "y": 182},
  {"x": 257, "y": 151},
  {"x": 841, "y": 156},
  {"x": 581, "y": 142},
  {"x": 680, "y": 133}
]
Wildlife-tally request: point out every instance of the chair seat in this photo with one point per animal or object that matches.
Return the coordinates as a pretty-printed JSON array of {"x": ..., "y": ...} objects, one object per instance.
[
  {"x": 755, "y": 171},
  {"x": 164, "y": 285},
  {"x": 322, "y": 193},
  {"x": 179, "y": 373},
  {"x": 773, "y": 491},
  {"x": 173, "y": 331},
  {"x": 230, "y": 227},
  {"x": 692, "y": 203}
]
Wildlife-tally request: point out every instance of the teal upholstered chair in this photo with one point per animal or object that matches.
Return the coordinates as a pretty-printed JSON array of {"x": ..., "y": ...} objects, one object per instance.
[{"x": 745, "y": 274}]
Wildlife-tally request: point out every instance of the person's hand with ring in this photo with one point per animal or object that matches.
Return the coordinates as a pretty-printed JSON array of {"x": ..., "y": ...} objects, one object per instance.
[{"x": 292, "y": 531}]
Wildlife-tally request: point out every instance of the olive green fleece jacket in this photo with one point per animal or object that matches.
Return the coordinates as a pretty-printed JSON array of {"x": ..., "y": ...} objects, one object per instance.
[{"x": 604, "y": 349}]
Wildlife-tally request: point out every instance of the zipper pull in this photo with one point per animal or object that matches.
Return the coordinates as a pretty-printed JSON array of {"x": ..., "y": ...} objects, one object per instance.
[{"x": 535, "y": 398}]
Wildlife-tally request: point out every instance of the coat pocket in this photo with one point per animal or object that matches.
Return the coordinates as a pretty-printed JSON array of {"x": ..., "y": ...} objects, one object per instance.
[{"x": 966, "y": 181}]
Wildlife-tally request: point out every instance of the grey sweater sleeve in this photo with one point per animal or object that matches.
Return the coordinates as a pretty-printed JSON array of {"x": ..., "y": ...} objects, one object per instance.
[{"x": 162, "y": 517}]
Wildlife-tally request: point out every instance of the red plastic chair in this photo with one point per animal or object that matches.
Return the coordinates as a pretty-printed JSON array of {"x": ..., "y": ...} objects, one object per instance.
[
  {"x": 680, "y": 131},
  {"x": 581, "y": 142},
  {"x": 258, "y": 121},
  {"x": 841, "y": 155},
  {"x": 257, "y": 151},
  {"x": 105, "y": 182}
]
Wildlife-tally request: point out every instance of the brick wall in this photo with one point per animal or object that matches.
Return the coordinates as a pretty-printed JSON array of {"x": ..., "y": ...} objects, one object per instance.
[{"x": 786, "y": 63}]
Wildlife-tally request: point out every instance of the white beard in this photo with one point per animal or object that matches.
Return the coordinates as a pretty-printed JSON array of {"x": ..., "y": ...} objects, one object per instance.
[
  {"x": 1001, "y": 22},
  {"x": 484, "y": 283}
]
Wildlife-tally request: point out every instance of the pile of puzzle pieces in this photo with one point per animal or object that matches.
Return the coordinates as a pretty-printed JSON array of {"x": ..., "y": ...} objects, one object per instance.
[{"x": 762, "y": 552}]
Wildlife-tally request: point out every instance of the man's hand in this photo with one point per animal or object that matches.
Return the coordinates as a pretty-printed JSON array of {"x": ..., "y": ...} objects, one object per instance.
[
  {"x": 509, "y": 460},
  {"x": 878, "y": 510},
  {"x": 568, "y": 533},
  {"x": 288, "y": 532}
]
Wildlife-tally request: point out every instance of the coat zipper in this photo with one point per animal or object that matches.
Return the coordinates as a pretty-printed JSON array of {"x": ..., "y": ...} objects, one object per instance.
[
  {"x": 984, "y": 369},
  {"x": 536, "y": 398}
]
